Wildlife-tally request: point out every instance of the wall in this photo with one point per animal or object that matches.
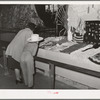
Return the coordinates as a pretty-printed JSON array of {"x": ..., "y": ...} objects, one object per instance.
[
  {"x": 83, "y": 13},
  {"x": 7, "y": 36}
]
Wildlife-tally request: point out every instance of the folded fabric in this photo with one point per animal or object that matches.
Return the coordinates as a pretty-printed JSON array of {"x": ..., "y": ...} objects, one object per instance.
[
  {"x": 62, "y": 40},
  {"x": 95, "y": 58},
  {"x": 78, "y": 38},
  {"x": 53, "y": 41},
  {"x": 74, "y": 47}
]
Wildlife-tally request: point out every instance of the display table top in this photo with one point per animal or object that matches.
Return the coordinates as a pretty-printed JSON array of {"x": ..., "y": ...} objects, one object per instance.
[{"x": 75, "y": 58}]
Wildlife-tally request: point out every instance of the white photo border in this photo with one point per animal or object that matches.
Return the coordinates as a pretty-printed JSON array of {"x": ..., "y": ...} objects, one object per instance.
[{"x": 49, "y": 93}]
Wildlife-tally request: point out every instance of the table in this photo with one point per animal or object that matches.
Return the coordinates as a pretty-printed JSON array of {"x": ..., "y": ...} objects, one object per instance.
[
  {"x": 70, "y": 62},
  {"x": 52, "y": 65}
]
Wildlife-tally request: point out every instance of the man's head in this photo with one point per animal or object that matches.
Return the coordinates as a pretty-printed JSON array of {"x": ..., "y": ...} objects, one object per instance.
[{"x": 31, "y": 26}]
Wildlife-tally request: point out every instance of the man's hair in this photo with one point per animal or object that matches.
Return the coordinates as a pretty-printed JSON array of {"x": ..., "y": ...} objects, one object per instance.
[{"x": 31, "y": 26}]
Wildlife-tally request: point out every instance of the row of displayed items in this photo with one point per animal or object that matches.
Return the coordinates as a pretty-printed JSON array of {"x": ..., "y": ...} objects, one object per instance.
[
  {"x": 91, "y": 35},
  {"x": 92, "y": 25},
  {"x": 92, "y": 31}
]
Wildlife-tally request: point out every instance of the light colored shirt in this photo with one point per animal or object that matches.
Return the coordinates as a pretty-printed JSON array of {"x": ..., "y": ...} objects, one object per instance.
[{"x": 15, "y": 48}]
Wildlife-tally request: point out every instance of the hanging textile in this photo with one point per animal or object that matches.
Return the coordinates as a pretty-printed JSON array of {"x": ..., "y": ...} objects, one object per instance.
[
  {"x": 61, "y": 20},
  {"x": 17, "y": 16}
]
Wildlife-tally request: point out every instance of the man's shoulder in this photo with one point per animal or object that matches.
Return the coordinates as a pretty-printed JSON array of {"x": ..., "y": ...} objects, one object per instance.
[{"x": 25, "y": 30}]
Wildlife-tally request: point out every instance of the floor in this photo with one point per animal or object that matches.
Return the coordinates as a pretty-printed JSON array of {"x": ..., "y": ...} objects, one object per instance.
[{"x": 41, "y": 82}]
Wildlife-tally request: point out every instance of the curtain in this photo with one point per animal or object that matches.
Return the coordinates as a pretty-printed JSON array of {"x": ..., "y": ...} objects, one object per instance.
[
  {"x": 61, "y": 20},
  {"x": 17, "y": 16}
]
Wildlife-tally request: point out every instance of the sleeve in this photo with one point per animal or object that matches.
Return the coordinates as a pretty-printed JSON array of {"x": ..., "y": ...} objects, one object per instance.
[
  {"x": 32, "y": 48},
  {"x": 35, "y": 49},
  {"x": 27, "y": 35}
]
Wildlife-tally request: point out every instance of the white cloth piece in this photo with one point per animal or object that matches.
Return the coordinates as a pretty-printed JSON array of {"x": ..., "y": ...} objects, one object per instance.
[{"x": 86, "y": 54}]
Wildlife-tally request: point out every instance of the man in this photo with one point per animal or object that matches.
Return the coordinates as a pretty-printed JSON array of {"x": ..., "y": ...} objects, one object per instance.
[{"x": 15, "y": 52}]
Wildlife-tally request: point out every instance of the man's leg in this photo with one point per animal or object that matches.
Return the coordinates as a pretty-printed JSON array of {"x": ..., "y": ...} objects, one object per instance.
[
  {"x": 17, "y": 74},
  {"x": 30, "y": 69},
  {"x": 24, "y": 68}
]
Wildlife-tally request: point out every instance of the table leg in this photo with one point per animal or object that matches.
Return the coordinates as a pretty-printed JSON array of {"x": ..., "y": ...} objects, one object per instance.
[
  {"x": 52, "y": 75},
  {"x": 5, "y": 63}
]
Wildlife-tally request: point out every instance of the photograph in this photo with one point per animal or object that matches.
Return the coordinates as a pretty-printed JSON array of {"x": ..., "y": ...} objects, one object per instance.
[{"x": 50, "y": 46}]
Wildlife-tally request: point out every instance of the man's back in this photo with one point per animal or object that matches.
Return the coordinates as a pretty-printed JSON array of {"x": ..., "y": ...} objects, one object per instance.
[{"x": 15, "y": 48}]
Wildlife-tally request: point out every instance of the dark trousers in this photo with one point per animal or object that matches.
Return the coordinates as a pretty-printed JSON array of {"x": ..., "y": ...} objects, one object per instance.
[{"x": 13, "y": 64}]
